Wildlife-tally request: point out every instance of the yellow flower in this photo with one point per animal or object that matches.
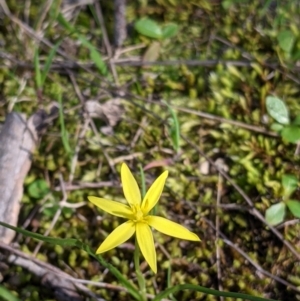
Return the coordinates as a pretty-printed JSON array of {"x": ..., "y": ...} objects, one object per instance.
[{"x": 139, "y": 222}]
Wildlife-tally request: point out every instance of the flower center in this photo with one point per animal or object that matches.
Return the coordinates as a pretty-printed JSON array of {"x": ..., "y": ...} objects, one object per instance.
[{"x": 138, "y": 214}]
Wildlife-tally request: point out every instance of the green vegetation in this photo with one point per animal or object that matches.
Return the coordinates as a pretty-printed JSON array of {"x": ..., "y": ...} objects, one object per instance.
[{"x": 208, "y": 90}]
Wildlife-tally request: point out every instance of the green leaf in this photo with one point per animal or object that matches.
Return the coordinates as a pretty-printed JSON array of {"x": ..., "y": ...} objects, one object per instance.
[
  {"x": 38, "y": 189},
  {"x": 286, "y": 40},
  {"x": 63, "y": 22},
  {"x": 63, "y": 131},
  {"x": 294, "y": 207},
  {"x": 275, "y": 214},
  {"x": 143, "y": 181},
  {"x": 174, "y": 128},
  {"x": 37, "y": 70},
  {"x": 277, "y": 127},
  {"x": 277, "y": 109},
  {"x": 296, "y": 121},
  {"x": 50, "y": 211},
  {"x": 70, "y": 242},
  {"x": 94, "y": 53},
  {"x": 97, "y": 59},
  {"x": 49, "y": 61},
  {"x": 169, "y": 30},
  {"x": 148, "y": 28},
  {"x": 291, "y": 133},
  {"x": 205, "y": 290},
  {"x": 290, "y": 184},
  {"x": 7, "y": 295},
  {"x": 95, "y": 56}
]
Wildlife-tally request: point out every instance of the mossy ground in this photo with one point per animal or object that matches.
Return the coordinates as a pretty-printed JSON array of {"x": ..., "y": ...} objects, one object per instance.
[{"x": 226, "y": 60}]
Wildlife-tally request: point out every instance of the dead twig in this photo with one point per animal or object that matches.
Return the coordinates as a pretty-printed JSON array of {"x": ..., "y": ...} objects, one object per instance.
[
  {"x": 120, "y": 31},
  {"x": 250, "y": 127},
  {"x": 106, "y": 41},
  {"x": 85, "y": 185}
]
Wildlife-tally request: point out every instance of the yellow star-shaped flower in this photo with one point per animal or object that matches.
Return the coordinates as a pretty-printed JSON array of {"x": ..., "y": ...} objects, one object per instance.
[{"x": 139, "y": 222}]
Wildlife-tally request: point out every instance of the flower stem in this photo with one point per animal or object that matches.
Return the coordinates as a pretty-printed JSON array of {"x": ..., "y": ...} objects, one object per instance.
[
  {"x": 143, "y": 180},
  {"x": 139, "y": 275}
]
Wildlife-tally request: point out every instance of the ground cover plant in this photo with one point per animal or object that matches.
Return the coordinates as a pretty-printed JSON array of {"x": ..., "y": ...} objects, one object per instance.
[{"x": 204, "y": 91}]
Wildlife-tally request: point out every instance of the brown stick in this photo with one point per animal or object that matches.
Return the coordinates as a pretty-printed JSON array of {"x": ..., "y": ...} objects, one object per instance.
[{"x": 18, "y": 138}]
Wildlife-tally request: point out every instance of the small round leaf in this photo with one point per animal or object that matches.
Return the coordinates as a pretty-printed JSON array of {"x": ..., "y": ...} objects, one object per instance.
[
  {"x": 169, "y": 30},
  {"x": 291, "y": 133},
  {"x": 290, "y": 184},
  {"x": 275, "y": 214},
  {"x": 149, "y": 28},
  {"x": 277, "y": 127},
  {"x": 294, "y": 207},
  {"x": 277, "y": 109},
  {"x": 286, "y": 40},
  {"x": 38, "y": 189}
]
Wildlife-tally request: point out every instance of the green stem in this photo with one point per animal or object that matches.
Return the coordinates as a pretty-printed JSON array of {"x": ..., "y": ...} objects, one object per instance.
[
  {"x": 143, "y": 183},
  {"x": 139, "y": 275},
  {"x": 142, "y": 180}
]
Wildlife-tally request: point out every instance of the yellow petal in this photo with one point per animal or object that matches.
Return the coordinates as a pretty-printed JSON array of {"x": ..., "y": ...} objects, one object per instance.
[
  {"x": 117, "y": 237},
  {"x": 170, "y": 228},
  {"x": 153, "y": 194},
  {"x": 146, "y": 243},
  {"x": 130, "y": 187},
  {"x": 112, "y": 207}
]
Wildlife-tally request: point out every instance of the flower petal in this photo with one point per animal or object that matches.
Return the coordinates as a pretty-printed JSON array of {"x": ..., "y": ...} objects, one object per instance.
[
  {"x": 117, "y": 237},
  {"x": 130, "y": 187},
  {"x": 146, "y": 243},
  {"x": 153, "y": 194},
  {"x": 170, "y": 228},
  {"x": 112, "y": 207}
]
